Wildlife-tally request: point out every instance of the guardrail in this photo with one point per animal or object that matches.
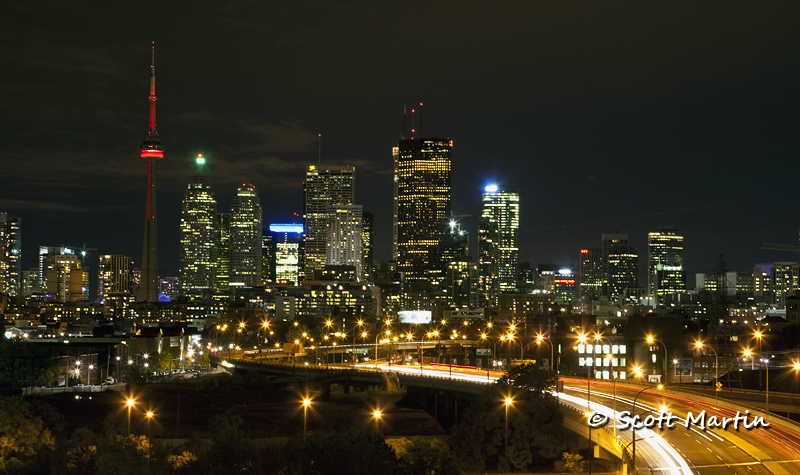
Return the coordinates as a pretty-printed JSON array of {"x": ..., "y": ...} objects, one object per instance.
[{"x": 34, "y": 391}]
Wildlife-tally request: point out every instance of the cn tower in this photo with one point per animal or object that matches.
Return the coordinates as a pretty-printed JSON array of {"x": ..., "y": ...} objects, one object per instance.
[{"x": 151, "y": 150}]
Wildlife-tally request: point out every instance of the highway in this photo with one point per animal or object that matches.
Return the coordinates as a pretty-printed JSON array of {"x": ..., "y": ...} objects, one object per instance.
[
  {"x": 714, "y": 451},
  {"x": 681, "y": 450}
]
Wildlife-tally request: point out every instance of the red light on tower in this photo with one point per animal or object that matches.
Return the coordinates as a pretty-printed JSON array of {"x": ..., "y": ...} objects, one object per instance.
[{"x": 584, "y": 251}]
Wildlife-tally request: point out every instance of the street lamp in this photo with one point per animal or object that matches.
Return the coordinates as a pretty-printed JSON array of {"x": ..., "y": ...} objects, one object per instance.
[
  {"x": 422, "y": 346},
  {"x": 633, "y": 414},
  {"x": 758, "y": 336},
  {"x": 651, "y": 339},
  {"x": 494, "y": 350},
  {"x": 388, "y": 332},
  {"x": 149, "y": 436},
  {"x": 306, "y": 403},
  {"x": 677, "y": 364},
  {"x": 539, "y": 340},
  {"x": 130, "y": 402},
  {"x": 761, "y": 359},
  {"x": 508, "y": 401},
  {"x": 376, "y": 414},
  {"x": 699, "y": 345}
]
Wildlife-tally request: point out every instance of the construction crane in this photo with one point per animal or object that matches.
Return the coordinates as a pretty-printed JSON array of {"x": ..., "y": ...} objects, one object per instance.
[{"x": 781, "y": 247}]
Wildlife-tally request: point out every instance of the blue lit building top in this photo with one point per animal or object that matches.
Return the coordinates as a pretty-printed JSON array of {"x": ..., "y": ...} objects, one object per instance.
[{"x": 286, "y": 228}]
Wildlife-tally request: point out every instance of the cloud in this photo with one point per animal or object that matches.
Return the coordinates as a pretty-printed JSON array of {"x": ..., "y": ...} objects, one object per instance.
[
  {"x": 43, "y": 206},
  {"x": 286, "y": 137}
]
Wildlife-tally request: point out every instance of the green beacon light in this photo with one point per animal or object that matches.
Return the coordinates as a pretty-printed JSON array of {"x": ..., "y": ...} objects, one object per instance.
[{"x": 200, "y": 160}]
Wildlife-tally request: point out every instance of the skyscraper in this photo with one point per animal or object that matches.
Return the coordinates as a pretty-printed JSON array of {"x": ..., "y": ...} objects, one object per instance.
[
  {"x": 591, "y": 285},
  {"x": 222, "y": 223},
  {"x": 286, "y": 239},
  {"x": 114, "y": 275},
  {"x": 323, "y": 190},
  {"x": 498, "y": 241},
  {"x": 784, "y": 282},
  {"x": 367, "y": 246},
  {"x": 452, "y": 249},
  {"x": 67, "y": 280},
  {"x": 198, "y": 246},
  {"x": 623, "y": 270},
  {"x": 610, "y": 240},
  {"x": 10, "y": 254},
  {"x": 245, "y": 238},
  {"x": 665, "y": 272},
  {"x": 47, "y": 262},
  {"x": 345, "y": 239},
  {"x": 151, "y": 150},
  {"x": 421, "y": 202}
]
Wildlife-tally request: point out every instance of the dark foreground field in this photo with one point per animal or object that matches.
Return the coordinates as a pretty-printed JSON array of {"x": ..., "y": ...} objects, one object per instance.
[{"x": 185, "y": 407}]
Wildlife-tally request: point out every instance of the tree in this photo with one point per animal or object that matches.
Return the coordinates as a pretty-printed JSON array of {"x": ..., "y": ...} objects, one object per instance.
[
  {"x": 344, "y": 453},
  {"x": 573, "y": 462},
  {"x": 23, "y": 436},
  {"x": 202, "y": 360},
  {"x": 535, "y": 428},
  {"x": 427, "y": 457},
  {"x": 163, "y": 361},
  {"x": 50, "y": 372}
]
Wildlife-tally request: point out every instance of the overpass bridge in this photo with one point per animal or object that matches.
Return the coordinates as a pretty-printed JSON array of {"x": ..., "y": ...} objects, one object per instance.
[
  {"x": 429, "y": 388},
  {"x": 772, "y": 450}
]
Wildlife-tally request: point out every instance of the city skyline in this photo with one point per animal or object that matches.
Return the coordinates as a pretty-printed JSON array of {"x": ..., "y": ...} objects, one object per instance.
[{"x": 592, "y": 117}]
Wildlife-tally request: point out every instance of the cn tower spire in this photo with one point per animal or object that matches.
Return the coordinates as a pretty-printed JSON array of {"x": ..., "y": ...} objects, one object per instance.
[
  {"x": 151, "y": 147},
  {"x": 151, "y": 151},
  {"x": 153, "y": 90}
]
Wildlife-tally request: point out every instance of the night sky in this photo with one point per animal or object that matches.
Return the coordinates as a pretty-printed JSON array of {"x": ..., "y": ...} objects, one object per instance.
[{"x": 612, "y": 116}]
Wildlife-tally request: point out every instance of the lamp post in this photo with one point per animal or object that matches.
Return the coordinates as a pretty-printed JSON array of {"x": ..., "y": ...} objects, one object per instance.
[
  {"x": 494, "y": 345},
  {"x": 699, "y": 345},
  {"x": 410, "y": 337},
  {"x": 422, "y": 344},
  {"x": 149, "y": 436},
  {"x": 376, "y": 414},
  {"x": 633, "y": 414},
  {"x": 761, "y": 360},
  {"x": 539, "y": 340},
  {"x": 306, "y": 403},
  {"x": 767, "y": 388},
  {"x": 376, "y": 349},
  {"x": 583, "y": 339},
  {"x": 677, "y": 364},
  {"x": 758, "y": 336},
  {"x": 508, "y": 403},
  {"x": 130, "y": 402},
  {"x": 651, "y": 339}
]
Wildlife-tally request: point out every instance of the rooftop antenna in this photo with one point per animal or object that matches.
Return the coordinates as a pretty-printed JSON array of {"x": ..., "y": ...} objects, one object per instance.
[
  {"x": 319, "y": 147},
  {"x": 200, "y": 160},
  {"x": 413, "y": 116},
  {"x": 420, "y": 119}
]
